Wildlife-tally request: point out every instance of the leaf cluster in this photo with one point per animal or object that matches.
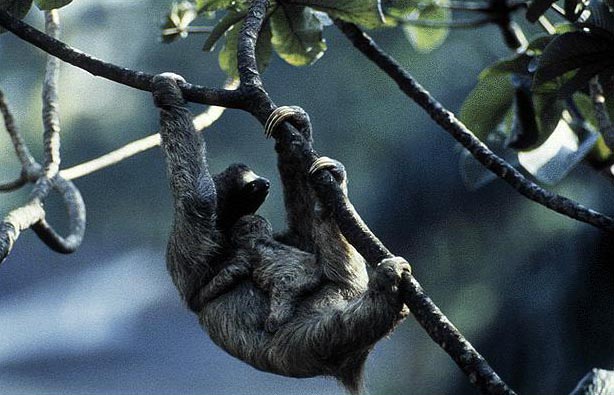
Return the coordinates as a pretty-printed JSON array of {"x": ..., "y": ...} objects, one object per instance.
[
  {"x": 293, "y": 29},
  {"x": 529, "y": 94}
]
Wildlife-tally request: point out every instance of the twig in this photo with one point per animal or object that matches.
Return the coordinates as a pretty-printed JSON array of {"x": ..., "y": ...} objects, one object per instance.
[
  {"x": 201, "y": 121},
  {"x": 606, "y": 128},
  {"x": 124, "y": 76},
  {"x": 458, "y": 131},
  {"x": 13, "y": 185},
  {"x": 21, "y": 148},
  {"x": 188, "y": 29}
]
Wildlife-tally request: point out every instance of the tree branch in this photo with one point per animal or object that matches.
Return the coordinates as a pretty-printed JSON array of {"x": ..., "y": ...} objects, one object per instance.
[
  {"x": 21, "y": 148},
  {"x": 358, "y": 234},
  {"x": 201, "y": 121},
  {"x": 466, "y": 138},
  {"x": 51, "y": 118},
  {"x": 75, "y": 209},
  {"x": 17, "y": 221},
  {"x": 124, "y": 76}
]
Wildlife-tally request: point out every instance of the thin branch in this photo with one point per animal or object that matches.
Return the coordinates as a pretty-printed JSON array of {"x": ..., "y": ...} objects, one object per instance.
[
  {"x": 124, "y": 76},
  {"x": 606, "y": 128},
  {"x": 201, "y": 121},
  {"x": 187, "y": 30},
  {"x": 51, "y": 118},
  {"x": 14, "y": 185},
  {"x": 75, "y": 209},
  {"x": 456, "y": 129},
  {"x": 21, "y": 148}
]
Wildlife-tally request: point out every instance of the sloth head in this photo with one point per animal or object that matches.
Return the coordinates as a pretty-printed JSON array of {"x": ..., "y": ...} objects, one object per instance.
[{"x": 240, "y": 192}]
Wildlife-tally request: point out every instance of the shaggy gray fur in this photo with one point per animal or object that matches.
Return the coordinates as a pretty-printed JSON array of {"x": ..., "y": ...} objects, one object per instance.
[{"x": 332, "y": 324}]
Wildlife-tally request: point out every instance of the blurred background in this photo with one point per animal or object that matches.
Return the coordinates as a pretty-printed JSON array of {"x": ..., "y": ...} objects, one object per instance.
[{"x": 532, "y": 290}]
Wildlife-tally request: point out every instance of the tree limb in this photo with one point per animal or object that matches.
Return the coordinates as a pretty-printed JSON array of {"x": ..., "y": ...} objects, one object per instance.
[
  {"x": 51, "y": 118},
  {"x": 358, "y": 234},
  {"x": 124, "y": 76},
  {"x": 446, "y": 120}
]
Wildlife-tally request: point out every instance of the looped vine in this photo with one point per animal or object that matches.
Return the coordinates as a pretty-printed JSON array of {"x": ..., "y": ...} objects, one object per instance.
[{"x": 45, "y": 177}]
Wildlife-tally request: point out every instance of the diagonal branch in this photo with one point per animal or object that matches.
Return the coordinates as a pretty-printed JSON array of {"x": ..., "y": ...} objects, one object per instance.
[
  {"x": 124, "y": 76},
  {"x": 358, "y": 234},
  {"x": 201, "y": 121},
  {"x": 466, "y": 138}
]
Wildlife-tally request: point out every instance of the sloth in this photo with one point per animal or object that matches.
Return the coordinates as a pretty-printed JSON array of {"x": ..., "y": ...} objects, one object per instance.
[{"x": 334, "y": 325}]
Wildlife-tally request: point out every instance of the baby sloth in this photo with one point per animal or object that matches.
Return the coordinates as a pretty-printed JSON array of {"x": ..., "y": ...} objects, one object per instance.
[{"x": 286, "y": 273}]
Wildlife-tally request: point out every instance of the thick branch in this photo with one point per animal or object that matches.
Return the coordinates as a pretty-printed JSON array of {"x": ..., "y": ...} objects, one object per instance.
[
  {"x": 458, "y": 131},
  {"x": 246, "y": 47},
  {"x": 17, "y": 221},
  {"x": 367, "y": 244},
  {"x": 124, "y": 76},
  {"x": 444, "y": 333}
]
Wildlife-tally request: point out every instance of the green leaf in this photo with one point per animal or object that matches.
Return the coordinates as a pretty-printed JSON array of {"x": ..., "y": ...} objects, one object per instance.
[
  {"x": 51, "y": 4},
  {"x": 230, "y": 19},
  {"x": 367, "y": 13},
  {"x": 519, "y": 64},
  {"x": 297, "y": 34},
  {"x": 585, "y": 106},
  {"x": 399, "y": 8},
  {"x": 17, "y": 8},
  {"x": 227, "y": 57},
  {"x": 426, "y": 39},
  {"x": 487, "y": 104}
]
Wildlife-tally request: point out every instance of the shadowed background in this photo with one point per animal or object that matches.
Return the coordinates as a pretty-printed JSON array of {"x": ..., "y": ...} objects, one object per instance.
[{"x": 531, "y": 289}]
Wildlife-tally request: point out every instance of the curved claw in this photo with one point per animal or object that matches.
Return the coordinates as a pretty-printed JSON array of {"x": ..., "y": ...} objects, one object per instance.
[
  {"x": 334, "y": 166},
  {"x": 281, "y": 114}
]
